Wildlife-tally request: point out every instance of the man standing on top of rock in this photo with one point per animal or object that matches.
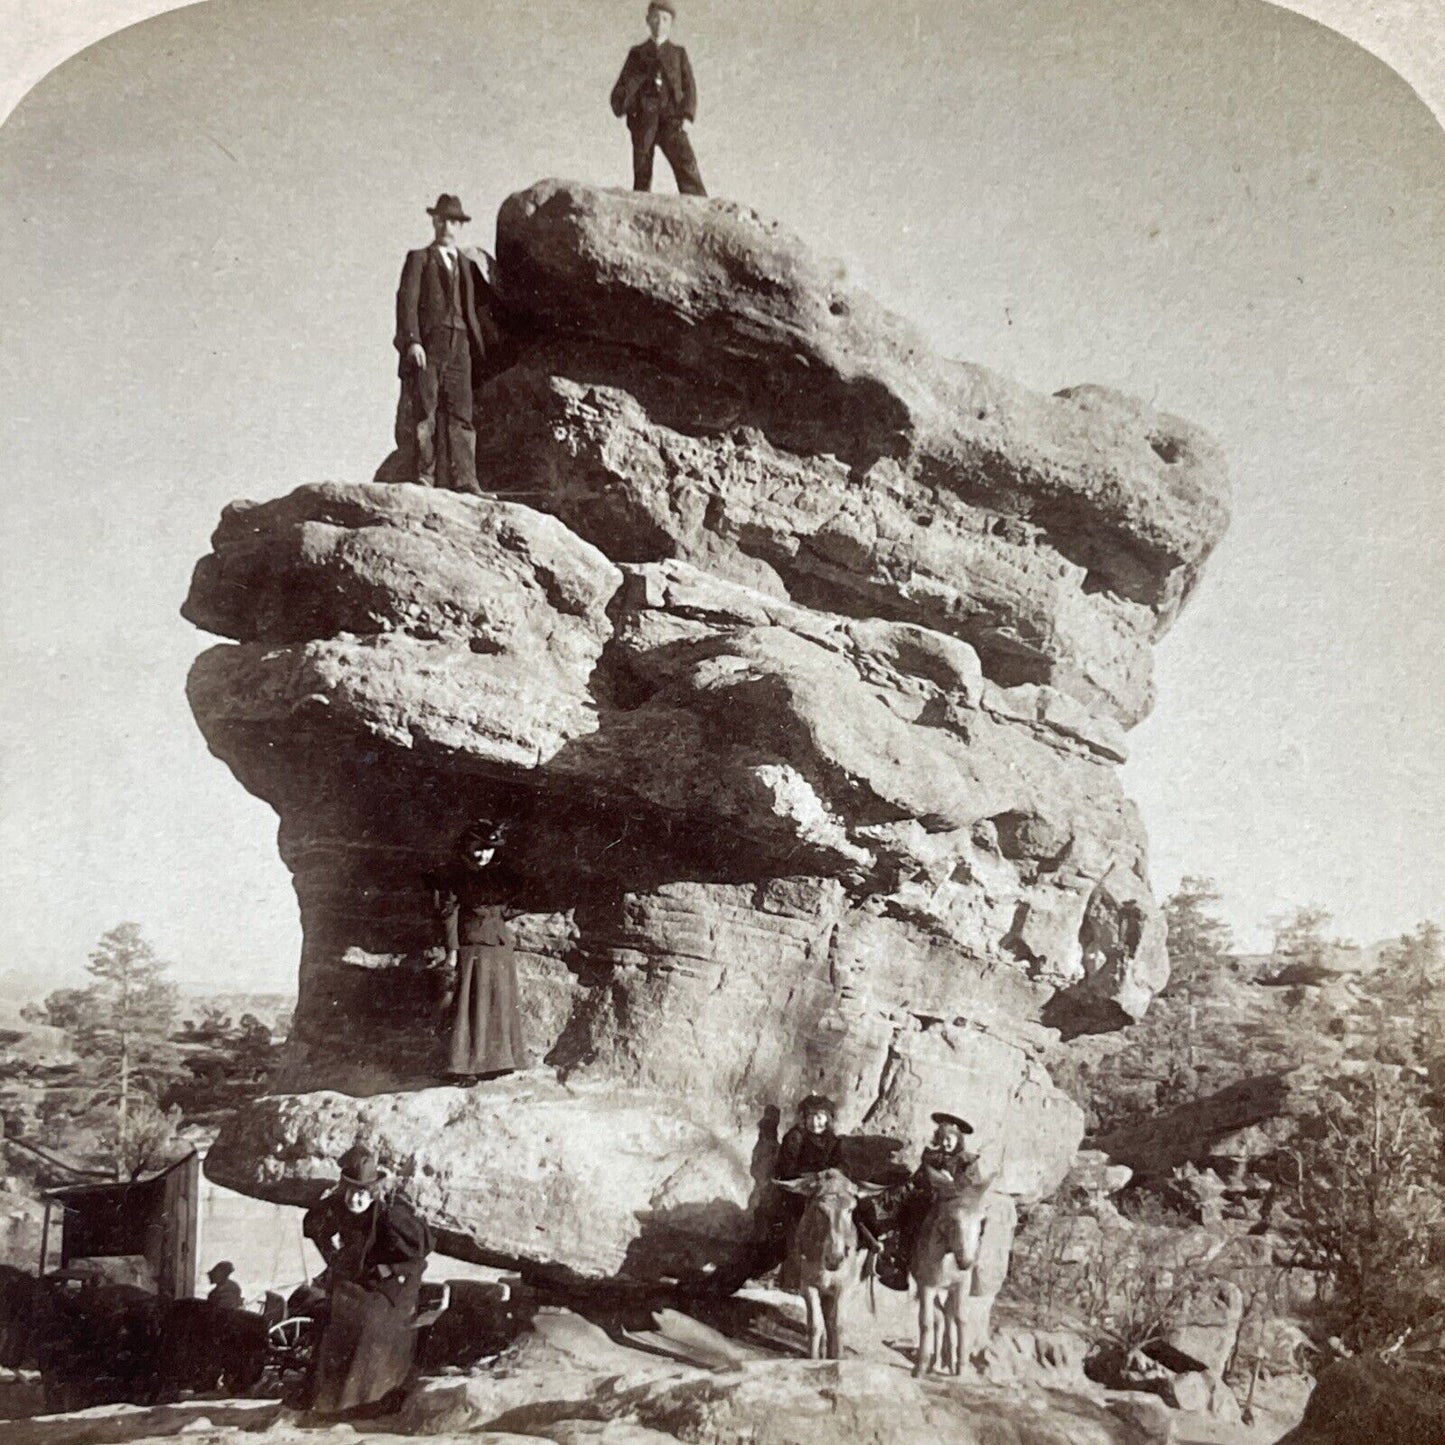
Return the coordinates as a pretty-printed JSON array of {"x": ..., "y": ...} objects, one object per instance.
[
  {"x": 657, "y": 94},
  {"x": 443, "y": 332}
]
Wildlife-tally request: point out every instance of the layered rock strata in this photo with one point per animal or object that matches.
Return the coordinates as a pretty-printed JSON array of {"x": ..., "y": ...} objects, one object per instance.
[{"x": 803, "y": 659}]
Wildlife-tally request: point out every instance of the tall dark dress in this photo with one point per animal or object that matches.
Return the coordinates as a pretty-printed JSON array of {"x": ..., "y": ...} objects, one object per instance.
[
  {"x": 375, "y": 1262},
  {"x": 486, "y": 1019}
]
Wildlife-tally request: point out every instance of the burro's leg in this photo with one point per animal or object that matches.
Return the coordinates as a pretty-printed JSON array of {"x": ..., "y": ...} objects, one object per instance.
[
  {"x": 830, "y": 1319},
  {"x": 954, "y": 1327},
  {"x": 815, "y": 1322},
  {"x": 923, "y": 1360}
]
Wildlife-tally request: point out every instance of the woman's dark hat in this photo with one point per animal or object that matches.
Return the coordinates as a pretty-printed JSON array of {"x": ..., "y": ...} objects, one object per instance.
[
  {"x": 962, "y": 1125},
  {"x": 484, "y": 833},
  {"x": 358, "y": 1167},
  {"x": 449, "y": 208},
  {"x": 222, "y": 1269},
  {"x": 815, "y": 1102}
]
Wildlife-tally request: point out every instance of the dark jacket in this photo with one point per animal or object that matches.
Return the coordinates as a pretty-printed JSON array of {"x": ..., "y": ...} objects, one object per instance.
[
  {"x": 384, "y": 1249},
  {"x": 423, "y": 304},
  {"x": 637, "y": 87},
  {"x": 226, "y": 1295},
  {"x": 955, "y": 1165},
  {"x": 470, "y": 905},
  {"x": 803, "y": 1153}
]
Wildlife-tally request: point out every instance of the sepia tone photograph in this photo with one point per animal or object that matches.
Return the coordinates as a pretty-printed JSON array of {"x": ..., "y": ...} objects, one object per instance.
[{"x": 722, "y": 722}]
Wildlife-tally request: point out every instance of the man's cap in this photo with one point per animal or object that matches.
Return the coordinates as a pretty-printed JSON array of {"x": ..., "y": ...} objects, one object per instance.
[
  {"x": 962, "y": 1125},
  {"x": 663, "y": 5},
  {"x": 449, "y": 208},
  {"x": 816, "y": 1102},
  {"x": 222, "y": 1269},
  {"x": 358, "y": 1167}
]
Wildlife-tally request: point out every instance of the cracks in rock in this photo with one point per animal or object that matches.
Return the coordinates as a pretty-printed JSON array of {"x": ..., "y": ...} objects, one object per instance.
[{"x": 887, "y": 1073}]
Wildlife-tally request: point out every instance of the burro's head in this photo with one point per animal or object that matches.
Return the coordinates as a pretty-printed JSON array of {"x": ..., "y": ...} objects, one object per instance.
[{"x": 825, "y": 1233}]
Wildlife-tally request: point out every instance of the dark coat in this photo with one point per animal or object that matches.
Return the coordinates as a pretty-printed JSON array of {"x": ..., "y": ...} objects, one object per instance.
[
  {"x": 374, "y": 1267},
  {"x": 803, "y": 1153},
  {"x": 956, "y": 1165},
  {"x": 423, "y": 303},
  {"x": 676, "y": 98},
  {"x": 383, "y": 1249},
  {"x": 469, "y": 905}
]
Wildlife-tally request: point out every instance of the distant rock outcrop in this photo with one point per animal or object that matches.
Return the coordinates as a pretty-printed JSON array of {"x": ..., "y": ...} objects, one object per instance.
[{"x": 803, "y": 659}]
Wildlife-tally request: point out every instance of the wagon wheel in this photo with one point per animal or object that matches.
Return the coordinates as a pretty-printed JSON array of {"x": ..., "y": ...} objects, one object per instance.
[
  {"x": 290, "y": 1335},
  {"x": 289, "y": 1343}
]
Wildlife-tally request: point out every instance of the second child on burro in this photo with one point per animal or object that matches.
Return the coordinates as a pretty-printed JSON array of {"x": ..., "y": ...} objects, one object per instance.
[{"x": 472, "y": 896}]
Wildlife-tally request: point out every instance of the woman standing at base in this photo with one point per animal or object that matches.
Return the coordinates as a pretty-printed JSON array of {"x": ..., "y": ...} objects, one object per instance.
[{"x": 486, "y": 1021}]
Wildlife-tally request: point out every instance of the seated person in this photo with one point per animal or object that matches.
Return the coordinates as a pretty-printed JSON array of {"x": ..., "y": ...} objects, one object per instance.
[
  {"x": 375, "y": 1250},
  {"x": 225, "y": 1292},
  {"x": 944, "y": 1160},
  {"x": 809, "y": 1147}
]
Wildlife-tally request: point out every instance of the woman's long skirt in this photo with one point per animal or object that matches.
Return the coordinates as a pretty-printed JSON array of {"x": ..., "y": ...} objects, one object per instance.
[
  {"x": 486, "y": 1019},
  {"x": 367, "y": 1346}
]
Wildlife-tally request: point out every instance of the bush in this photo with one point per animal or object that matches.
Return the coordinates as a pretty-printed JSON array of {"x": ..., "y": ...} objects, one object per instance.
[
  {"x": 1120, "y": 1284},
  {"x": 1366, "y": 1203}
]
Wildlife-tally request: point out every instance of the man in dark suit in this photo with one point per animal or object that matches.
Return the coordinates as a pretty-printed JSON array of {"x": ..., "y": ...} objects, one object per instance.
[
  {"x": 443, "y": 332},
  {"x": 657, "y": 94}
]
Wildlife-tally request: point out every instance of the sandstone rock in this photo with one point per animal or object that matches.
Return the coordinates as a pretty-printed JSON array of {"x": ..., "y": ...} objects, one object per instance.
[
  {"x": 1147, "y": 1414},
  {"x": 114, "y": 1424},
  {"x": 807, "y": 697},
  {"x": 1202, "y": 1129},
  {"x": 1188, "y": 1390},
  {"x": 719, "y": 294},
  {"x": 1211, "y": 1317},
  {"x": 696, "y": 384},
  {"x": 1223, "y": 1403}
]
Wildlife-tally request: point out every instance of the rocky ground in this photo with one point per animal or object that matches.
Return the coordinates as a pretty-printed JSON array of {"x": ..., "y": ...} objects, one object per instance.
[{"x": 675, "y": 1378}]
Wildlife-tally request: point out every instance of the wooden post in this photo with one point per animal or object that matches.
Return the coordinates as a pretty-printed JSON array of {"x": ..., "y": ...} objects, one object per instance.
[{"x": 44, "y": 1241}]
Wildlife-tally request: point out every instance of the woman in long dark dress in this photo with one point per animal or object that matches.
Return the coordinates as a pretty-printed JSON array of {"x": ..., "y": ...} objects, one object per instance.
[
  {"x": 375, "y": 1251},
  {"x": 486, "y": 1020}
]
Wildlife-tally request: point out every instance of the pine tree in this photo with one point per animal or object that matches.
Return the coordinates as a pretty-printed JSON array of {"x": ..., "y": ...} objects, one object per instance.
[
  {"x": 1198, "y": 942},
  {"x": 122, "y": 1035}
]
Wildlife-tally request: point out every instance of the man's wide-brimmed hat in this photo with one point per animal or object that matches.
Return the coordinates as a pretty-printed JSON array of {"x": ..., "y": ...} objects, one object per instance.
[
  {"x": 816, "y": 1103},
  {"x": 358, "y": 1167},
  {"x": 962, "y": 1125},
  {"x": 222, "y": 1269},
  {"x": 449, "y": 208}
]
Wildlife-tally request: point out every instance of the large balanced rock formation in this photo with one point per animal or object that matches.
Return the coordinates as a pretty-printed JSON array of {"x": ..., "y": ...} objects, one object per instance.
[{"x": 803, "y": 658}]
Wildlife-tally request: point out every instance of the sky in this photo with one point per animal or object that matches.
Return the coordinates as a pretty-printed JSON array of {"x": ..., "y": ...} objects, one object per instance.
[{"x": 1226, "y": 209}]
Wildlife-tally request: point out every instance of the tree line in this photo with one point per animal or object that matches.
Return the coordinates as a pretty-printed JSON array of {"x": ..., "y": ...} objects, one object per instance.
[{"x": 140, "y": 1073}]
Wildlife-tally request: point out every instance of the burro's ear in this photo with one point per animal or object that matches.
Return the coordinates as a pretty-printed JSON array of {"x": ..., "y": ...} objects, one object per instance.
[
  {"x": 868, "y": 1191},
  {"x": 808, "y": 1184}
]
